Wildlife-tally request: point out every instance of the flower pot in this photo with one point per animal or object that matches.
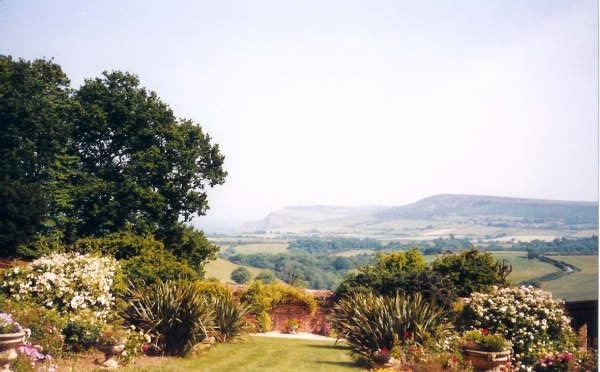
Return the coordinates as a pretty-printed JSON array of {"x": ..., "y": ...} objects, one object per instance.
[
  {"x": 8, "y": 344},
  {"x": 488, "y": 360},
  {"x": 111, "y": 352}
]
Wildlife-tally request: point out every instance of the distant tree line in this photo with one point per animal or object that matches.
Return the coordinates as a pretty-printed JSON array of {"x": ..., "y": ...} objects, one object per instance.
[
  {"x": 318, "y": 271},
  {"x": 336, "y": 245},
  {"x": 580, "y": 246}
]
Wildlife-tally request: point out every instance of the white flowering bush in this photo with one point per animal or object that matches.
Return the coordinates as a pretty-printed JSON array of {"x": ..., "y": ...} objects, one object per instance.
[
  {"x": 530, "y": 318},
  {"x": 67, "y": 282}
]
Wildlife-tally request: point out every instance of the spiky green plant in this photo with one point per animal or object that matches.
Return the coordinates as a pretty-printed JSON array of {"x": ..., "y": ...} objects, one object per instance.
[
  {"x": 175, "y": 312},
  {"x": 371, "y": 323},
  {"x": 230, "y": 318}
]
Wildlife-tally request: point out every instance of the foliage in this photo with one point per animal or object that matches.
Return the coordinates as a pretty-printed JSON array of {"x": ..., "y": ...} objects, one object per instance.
[
  {"x": 113, "y": 334},
  {"x": 154, "y": 264},
  {"x": 371, "y": 323},
  {"x": 213, "y": 289},
  {"x": 472, "y": 271},
  {"x": 403, "y": 272},
  {"x": 529, "y": 318},
  {"x": 45, "y": 325},
  {"x": 174, "y": 312},
  {"x": 35, "y": 112},
  {"x": 66, "y": 282},
  {"x": 266, "y": 277},
  {"x": 292, "y": 325},
  {"x": 106, "y": 157},
  {"x": 241, "y": 275},
  {"x": 81, "y": 332},
  {"x": 333, "y": 245},
  {"x": 41, "y": 245},
  {"x": 230, "y": 318},
  {"x": 8, "y": 324},
  {"x": 483, "y": 340},
  {"x": 320, "y": 271},
  {"x": 263, "y": 297},
  {"x": 557, "y": 246}
]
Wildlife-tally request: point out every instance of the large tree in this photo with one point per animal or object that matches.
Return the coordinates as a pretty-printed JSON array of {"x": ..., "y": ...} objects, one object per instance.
[
  {"x": 36, "y": 113},
  {"x": 108, "y": 157}
]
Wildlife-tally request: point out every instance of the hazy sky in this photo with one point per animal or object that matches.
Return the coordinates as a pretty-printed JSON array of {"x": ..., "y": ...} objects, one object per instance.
[{"x": 351, "y": 102}]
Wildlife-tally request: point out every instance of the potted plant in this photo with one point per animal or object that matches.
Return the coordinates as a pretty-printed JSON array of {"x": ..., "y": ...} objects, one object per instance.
[
  {"x": 291, "y": 326},
  {"x": 112, "y": 343},
  {"x": 11, "y": 335},
  {"x": 486, "y": 351}
]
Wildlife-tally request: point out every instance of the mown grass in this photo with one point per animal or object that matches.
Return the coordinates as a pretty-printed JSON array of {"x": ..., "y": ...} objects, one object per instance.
[
  {"x": 263, "y": 354},
  {"x": 221, "y": 269},
  {"x": 581, "y": 285}
]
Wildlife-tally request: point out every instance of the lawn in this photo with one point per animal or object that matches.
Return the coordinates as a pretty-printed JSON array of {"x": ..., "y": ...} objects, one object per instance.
[
  {"x": 221, "y": 269},
  {"x": 581, "y": 285},
  {"x": 263, "y": 354}
]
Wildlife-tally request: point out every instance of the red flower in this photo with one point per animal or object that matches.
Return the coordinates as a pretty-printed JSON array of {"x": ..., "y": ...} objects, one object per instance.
[
  {"x": 485, "y": 331},
  {"x": 406, "y": 334}
]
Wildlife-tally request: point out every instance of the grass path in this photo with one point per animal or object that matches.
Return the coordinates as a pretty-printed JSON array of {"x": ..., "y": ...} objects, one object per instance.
[{"x": 264, "y": 354}]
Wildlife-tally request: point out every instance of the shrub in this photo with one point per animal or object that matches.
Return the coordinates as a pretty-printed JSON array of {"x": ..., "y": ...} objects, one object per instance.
[
  {"x": 266, "y": 277},
  {"x": 484, "y": 341},
  {"x": 399, "y": 272},
  {"x": 230, "y": 318},
  {"x": 472, "y": 271},
  {"x": 67, "y": 282},
  {"x": 241, "y": 275},
  {"x": 174, "y": 312},
  {"x": 372, "y": 323},
  {"x": 81, "y": 332},
  {"x": 154, "y": 265},
  {"x": 529, "y": 318},
  {"x": 46, "y": 325},
  {"x": 121, "y": 245},
  {"x": 213, "y": 288}
]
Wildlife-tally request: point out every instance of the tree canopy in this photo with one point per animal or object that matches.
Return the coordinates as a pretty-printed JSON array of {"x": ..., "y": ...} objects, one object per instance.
[{"x": 107, "y": 157}]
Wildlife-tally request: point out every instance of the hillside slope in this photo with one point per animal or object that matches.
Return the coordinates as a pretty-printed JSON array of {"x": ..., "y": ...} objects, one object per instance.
[{"x": 476, "y": 216}]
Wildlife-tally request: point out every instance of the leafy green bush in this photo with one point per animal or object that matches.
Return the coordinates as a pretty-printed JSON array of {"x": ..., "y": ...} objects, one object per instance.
[
  {"x": 174, "y": 312},
  {"x": 371, "y": 323},
  {"x": 241, "y": 275},
  {"x": 230, "y": 318},
  {"x": 213, "y": 288},
  {"x": 400, "y": 272},
  {"x": 483, "y": 340},
  {"x": 152, "y": 265},
  {"x": 120, "y": 245},
  {"x": 472, "y": 271},
  {"x": 81, "y": 332}
]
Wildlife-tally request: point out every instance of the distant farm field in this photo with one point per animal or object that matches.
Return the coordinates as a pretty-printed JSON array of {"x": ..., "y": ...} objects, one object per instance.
[
  {"x": 221, "y": 269},
  {"x": 270, "y": 248},
  {"x": 524, "y": 268},
  {"x": 577, "y": 286},
  {"x": 354, "y": 252}
]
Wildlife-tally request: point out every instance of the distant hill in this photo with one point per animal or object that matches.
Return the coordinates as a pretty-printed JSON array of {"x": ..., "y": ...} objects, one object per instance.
[{"x": 476, "y": 216}]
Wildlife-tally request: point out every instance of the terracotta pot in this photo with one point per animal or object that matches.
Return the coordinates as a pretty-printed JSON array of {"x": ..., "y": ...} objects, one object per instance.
[
  {"x": 8, "y": 344},
  {"x": 488, "y": 360},
  {"x": 111, "y": 352}
]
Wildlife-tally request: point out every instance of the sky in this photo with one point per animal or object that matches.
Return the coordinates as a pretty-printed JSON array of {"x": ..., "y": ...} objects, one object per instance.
[{"x": 351, "y": 102}]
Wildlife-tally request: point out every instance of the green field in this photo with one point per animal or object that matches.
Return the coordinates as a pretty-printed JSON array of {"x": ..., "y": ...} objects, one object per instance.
[
  {"x": 264, "y": 354},
  {"x": 270, "y": 248},
  {"x": 221, "y": 269},
  {"x": 354, "y": 252},
  {"x": 524, "y": 268},
  {"x": 581, "y": 285}
]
